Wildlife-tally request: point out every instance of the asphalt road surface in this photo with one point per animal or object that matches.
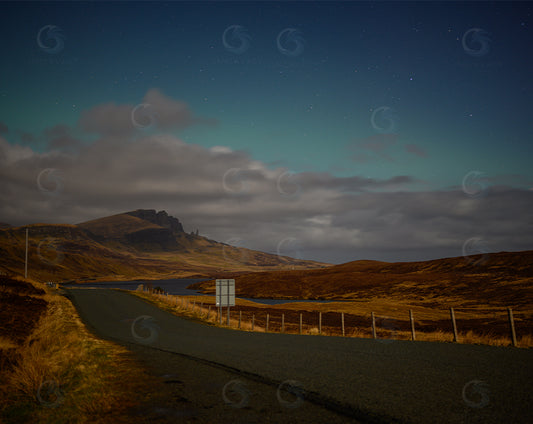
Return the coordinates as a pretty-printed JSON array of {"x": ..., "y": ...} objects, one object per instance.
[{"x": 222, "y": 375}]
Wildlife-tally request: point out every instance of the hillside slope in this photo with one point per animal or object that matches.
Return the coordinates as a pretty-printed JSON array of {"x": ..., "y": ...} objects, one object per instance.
[
  {"x": 138, "y": 244},
  {"x": 504, "y": 278}
]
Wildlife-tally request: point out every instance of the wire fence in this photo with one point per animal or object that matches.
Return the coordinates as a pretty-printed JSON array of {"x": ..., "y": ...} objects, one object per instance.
[{"x": 500, "y": 329}]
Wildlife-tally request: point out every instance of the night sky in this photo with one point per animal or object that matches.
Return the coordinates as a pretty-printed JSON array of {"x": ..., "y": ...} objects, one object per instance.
[{"x": 333, "y": 131}]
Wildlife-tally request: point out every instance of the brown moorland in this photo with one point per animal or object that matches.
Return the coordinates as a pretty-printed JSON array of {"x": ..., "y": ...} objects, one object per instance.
[
  {"x": 21, "y": 306},
  {"x": 480, "y": 288}
]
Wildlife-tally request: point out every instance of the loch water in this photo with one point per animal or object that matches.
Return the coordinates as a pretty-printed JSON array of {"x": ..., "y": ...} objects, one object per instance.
[{"x": 177, "y": 286}]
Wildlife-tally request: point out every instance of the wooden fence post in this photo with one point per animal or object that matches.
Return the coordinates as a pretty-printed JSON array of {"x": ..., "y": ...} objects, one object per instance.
[
  {"x": 511, "y": 323},
  {"x": 240, "y": 318},
  {"x": 253, "y": 321},
  {"x": 266, "y": 327},
  {"x": 413, "y": 335},
  {"x": 373, "y": 326},
  {"x": 300, "y": 323},
  {"x": 320, "y": 323},
  {"x": 342, "y": 323},
  {"x": 452, "y": 315},
  {"x": 282, "y": 323}
]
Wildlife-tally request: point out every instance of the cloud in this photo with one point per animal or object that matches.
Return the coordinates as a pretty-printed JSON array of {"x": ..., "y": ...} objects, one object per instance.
[
  {"x": 3, "y": 128},
  {"x": 381, "y": 146},
  {"x": 26, "y": 137},
  {"x": 155, "y": 111},
  {"x": 168, "y": 113},
  {"x": 374, "y": 147},
  {"x": 227, "y": 195},
  {"x": 108, "y": 119},
  {"x": 60, "y": 137},
  {"x": 416, "y": 150}
]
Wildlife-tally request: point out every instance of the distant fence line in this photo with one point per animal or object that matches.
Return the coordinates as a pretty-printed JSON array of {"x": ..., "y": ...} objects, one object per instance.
[{"x": 263, "y": 322}]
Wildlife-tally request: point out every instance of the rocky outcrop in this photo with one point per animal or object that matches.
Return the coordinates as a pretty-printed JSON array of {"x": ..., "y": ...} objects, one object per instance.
[
  {"x": 160, "y": 218},
  {"x": 151, "y": 239}
]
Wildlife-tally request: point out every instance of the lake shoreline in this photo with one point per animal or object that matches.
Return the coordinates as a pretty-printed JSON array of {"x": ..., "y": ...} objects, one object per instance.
[{"x": 178, "y": 286}]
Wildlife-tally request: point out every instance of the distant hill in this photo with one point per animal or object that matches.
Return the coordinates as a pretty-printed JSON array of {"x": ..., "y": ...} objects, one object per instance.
[
  {"x": 137, "y": 244},
  {"x": 503, "y": 279},
  {"x": 3, "y": 225}
]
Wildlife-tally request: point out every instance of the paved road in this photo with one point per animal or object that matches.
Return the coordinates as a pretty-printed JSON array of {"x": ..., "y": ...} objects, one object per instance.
[{"x": 361, "y": 380}]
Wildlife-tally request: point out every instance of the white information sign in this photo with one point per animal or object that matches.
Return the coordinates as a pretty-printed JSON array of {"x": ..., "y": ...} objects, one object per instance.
[{"x": 225, "y": 294}]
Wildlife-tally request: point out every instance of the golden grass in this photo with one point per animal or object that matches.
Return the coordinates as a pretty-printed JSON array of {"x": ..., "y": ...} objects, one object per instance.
[
  {"x": 65, "y": 374},
  {"x": 189, "y": 306},
  {"x": 7, "y": 344}
]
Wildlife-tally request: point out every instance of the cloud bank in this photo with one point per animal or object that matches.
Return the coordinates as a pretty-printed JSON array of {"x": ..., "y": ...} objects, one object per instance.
[{"x": 229, "y": 196}]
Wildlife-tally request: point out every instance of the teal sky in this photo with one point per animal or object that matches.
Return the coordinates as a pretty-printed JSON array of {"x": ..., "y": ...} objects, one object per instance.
[{"x": 371, "y": 90}]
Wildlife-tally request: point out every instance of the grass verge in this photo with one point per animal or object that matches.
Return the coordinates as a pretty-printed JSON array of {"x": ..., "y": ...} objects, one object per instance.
[
  {"x": 63, "y": 374},
  {"x": 202, "y": 308}
]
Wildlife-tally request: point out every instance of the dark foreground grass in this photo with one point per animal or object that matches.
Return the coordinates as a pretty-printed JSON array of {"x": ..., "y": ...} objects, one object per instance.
[{"x": 63, "y": 374}]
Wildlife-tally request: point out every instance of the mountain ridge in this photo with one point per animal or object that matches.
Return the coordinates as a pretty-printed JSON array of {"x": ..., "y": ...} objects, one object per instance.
[{"x": 138, "y": 244}]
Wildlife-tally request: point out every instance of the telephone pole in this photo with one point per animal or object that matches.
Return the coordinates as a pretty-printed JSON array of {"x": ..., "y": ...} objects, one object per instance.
[{"x": 26, "y": 263}]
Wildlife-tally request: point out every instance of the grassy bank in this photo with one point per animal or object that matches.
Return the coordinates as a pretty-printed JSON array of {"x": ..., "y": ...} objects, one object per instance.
[
  {"x": 431, "y": 324},
  {"x": 61, "y": 373}
]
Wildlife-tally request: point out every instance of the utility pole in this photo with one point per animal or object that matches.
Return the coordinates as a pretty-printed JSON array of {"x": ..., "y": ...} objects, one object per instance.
[{"x": 26, "y": 263}]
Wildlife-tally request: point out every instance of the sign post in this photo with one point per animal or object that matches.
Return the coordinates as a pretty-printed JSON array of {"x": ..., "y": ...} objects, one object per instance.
[{"x": 225, "y": 295}]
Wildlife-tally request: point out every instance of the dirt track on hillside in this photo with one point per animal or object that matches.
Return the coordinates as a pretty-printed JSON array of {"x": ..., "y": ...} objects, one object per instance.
[{"x": 371, "y": 380}]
